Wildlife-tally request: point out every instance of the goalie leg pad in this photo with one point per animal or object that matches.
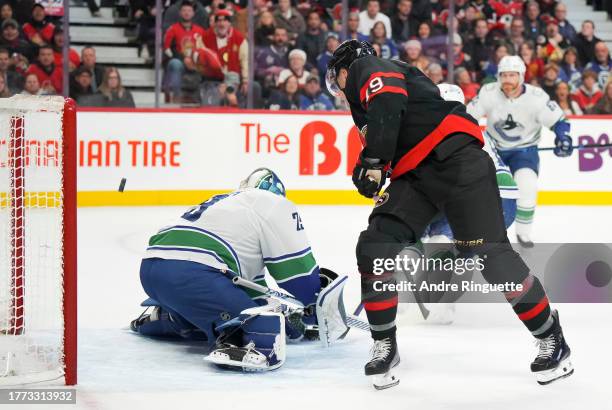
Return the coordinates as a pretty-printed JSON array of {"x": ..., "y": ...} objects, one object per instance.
[
  {"x": 264, "y": 342},
  {"x": 202, "y": 296},
  {"x": 331, "y": 315}
]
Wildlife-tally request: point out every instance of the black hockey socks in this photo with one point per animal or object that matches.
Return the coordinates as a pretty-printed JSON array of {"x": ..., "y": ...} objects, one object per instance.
[
  {"x": 385, "y": 238},
  {"x": 380, "y": 307},
  {"x": 532, "y": 307}
]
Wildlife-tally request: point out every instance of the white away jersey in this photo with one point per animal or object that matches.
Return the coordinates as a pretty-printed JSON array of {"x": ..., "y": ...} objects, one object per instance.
[
  {"x": 517, "y": 122},
  {"x": 242, "y": 232}
]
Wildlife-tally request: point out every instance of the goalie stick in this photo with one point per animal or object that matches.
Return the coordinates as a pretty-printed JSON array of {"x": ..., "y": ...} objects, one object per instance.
[
  {"x": 291, "y": 302},
  {"x": 287, "y": 299},
  {"x": 417, "y": 298}
]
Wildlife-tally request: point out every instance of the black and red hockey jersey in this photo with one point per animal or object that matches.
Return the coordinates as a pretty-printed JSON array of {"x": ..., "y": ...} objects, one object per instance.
[{"x": 405, "y": 115}]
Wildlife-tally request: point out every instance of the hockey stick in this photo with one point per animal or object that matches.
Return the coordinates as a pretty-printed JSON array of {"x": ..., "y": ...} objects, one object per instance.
[
  {"x": 291, "y": 302},
  {"x": 586, "y": 146},
  {"x": 285, "y": 298},
  {"x": 417, "y": 299},
  {"x": 358, "y": 310}
]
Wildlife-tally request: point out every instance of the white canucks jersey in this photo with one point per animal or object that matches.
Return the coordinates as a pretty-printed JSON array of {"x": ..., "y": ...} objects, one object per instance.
[
  {"x": 241, "y": 232},
  {"x": 515, "y": 122},
  {"x": 505, "y": 181}
]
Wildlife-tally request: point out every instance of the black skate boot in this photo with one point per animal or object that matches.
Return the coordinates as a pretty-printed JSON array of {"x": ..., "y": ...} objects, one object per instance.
[
  {"x": 385, "y": 357},
  {"x": 553, "y": 360},
  {"x": 525, "y": 242},
  {"x": 145, "y": 318}
]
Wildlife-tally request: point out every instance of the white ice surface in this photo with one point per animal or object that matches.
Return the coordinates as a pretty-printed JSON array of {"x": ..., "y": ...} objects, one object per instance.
[{"x": 479, "y": 362}]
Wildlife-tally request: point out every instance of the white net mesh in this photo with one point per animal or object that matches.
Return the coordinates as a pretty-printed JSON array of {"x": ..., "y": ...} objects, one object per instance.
[{"x": 31, "y": 261}]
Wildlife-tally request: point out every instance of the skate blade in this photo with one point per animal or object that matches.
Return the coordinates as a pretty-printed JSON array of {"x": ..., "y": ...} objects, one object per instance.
[
  {"x": 565, "y": 369},
  {"x": 385, "y": 381},
  {"x": 235, "y": 365}
]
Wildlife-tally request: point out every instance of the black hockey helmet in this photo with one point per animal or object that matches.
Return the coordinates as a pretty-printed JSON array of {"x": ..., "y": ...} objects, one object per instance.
[{"x": 343, "y": 57}]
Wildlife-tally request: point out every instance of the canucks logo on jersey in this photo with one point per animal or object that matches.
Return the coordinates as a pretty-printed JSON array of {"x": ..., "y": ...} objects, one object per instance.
[{"x": 509, "y": 129}]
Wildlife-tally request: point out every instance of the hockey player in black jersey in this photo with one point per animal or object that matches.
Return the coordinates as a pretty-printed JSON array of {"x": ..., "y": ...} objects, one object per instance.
[{"x": 431, "y": 149}]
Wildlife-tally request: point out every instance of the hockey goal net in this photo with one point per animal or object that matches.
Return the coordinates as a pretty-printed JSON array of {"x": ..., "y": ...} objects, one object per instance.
[{"x": 37, "y": 240}]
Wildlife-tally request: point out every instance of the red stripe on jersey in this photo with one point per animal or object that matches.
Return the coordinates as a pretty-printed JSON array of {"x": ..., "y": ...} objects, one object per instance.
[
  {"x": 534, "y": 311},
  {"x": 387, "y": 89},
  {"x": 451, "y": 124},
  {"x": 364, "y": 88},
  {"x": 382, "y": 305}
]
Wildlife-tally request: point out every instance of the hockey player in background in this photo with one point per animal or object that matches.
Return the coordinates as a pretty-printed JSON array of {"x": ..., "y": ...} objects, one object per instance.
[
  {"x": 515, "y": 115},
  {"x": 433, "y": 151},
  {"x": 189, "y": 265}
]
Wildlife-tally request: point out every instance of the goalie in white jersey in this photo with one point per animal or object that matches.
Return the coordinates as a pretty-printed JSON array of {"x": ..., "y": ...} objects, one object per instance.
[
  {"x": 188, "y": 268},
  {"x": 515, "y": 115}
]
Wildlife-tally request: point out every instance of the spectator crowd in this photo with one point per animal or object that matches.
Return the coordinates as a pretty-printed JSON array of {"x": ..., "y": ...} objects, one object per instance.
[
  {"x": 206, "y": 50},
  {"x": 31, "y": 59}
]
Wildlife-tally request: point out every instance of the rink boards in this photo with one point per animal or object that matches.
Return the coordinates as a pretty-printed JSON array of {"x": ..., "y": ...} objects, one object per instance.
[{"x": 180, "y": 157}]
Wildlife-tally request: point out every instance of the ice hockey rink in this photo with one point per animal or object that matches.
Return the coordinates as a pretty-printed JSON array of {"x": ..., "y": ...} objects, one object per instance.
[{"x": 479, "y": 362}]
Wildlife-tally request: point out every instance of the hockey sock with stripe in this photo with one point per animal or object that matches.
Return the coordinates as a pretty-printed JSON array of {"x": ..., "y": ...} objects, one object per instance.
[
  {"x": 532, "y": 307},
  {"x": 380, "y": 306}
]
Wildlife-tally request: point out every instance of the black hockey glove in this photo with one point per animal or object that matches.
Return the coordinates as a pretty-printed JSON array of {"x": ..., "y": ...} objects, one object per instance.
[
  {"x": 369, "y": 183},
  {"x": 302, "y": 324},
  {"x": 327, "y": 276}
]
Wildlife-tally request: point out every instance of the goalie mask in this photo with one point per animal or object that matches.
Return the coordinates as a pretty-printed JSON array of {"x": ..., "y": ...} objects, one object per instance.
[
  {"x": 266, "y": 179},
  {"x": 343, "y": 57}
]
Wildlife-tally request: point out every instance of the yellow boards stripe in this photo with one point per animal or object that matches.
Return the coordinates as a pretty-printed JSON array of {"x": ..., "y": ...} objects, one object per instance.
[
  {"x": 301, "y": 197},
  {"x": 34, "y": 199},
  {"x": 574, "y": 198}
]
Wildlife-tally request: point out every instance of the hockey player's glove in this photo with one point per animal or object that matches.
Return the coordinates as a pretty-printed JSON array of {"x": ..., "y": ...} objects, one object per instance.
[
  {"x": 302, "y": 324},
  {"x": 369, "y": 176},
  {"x": 563, "y": 141}
]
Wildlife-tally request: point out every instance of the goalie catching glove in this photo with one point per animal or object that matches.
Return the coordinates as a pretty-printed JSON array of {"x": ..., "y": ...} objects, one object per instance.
[{"x": 303, "y": 324}]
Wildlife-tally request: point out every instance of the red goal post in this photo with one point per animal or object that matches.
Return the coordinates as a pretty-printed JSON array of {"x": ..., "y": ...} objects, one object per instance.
[{"x": 38, "y": 247}]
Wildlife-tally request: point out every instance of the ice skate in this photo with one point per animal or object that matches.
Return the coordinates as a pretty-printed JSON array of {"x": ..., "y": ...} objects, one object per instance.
[
  {"x": 385, "y": 357},
  {"x": 145, "y": 318},
  {"x": 553, "y": 360},
  {"x": 246, "y": 358},
  {"x": 525, "y": 241}
]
